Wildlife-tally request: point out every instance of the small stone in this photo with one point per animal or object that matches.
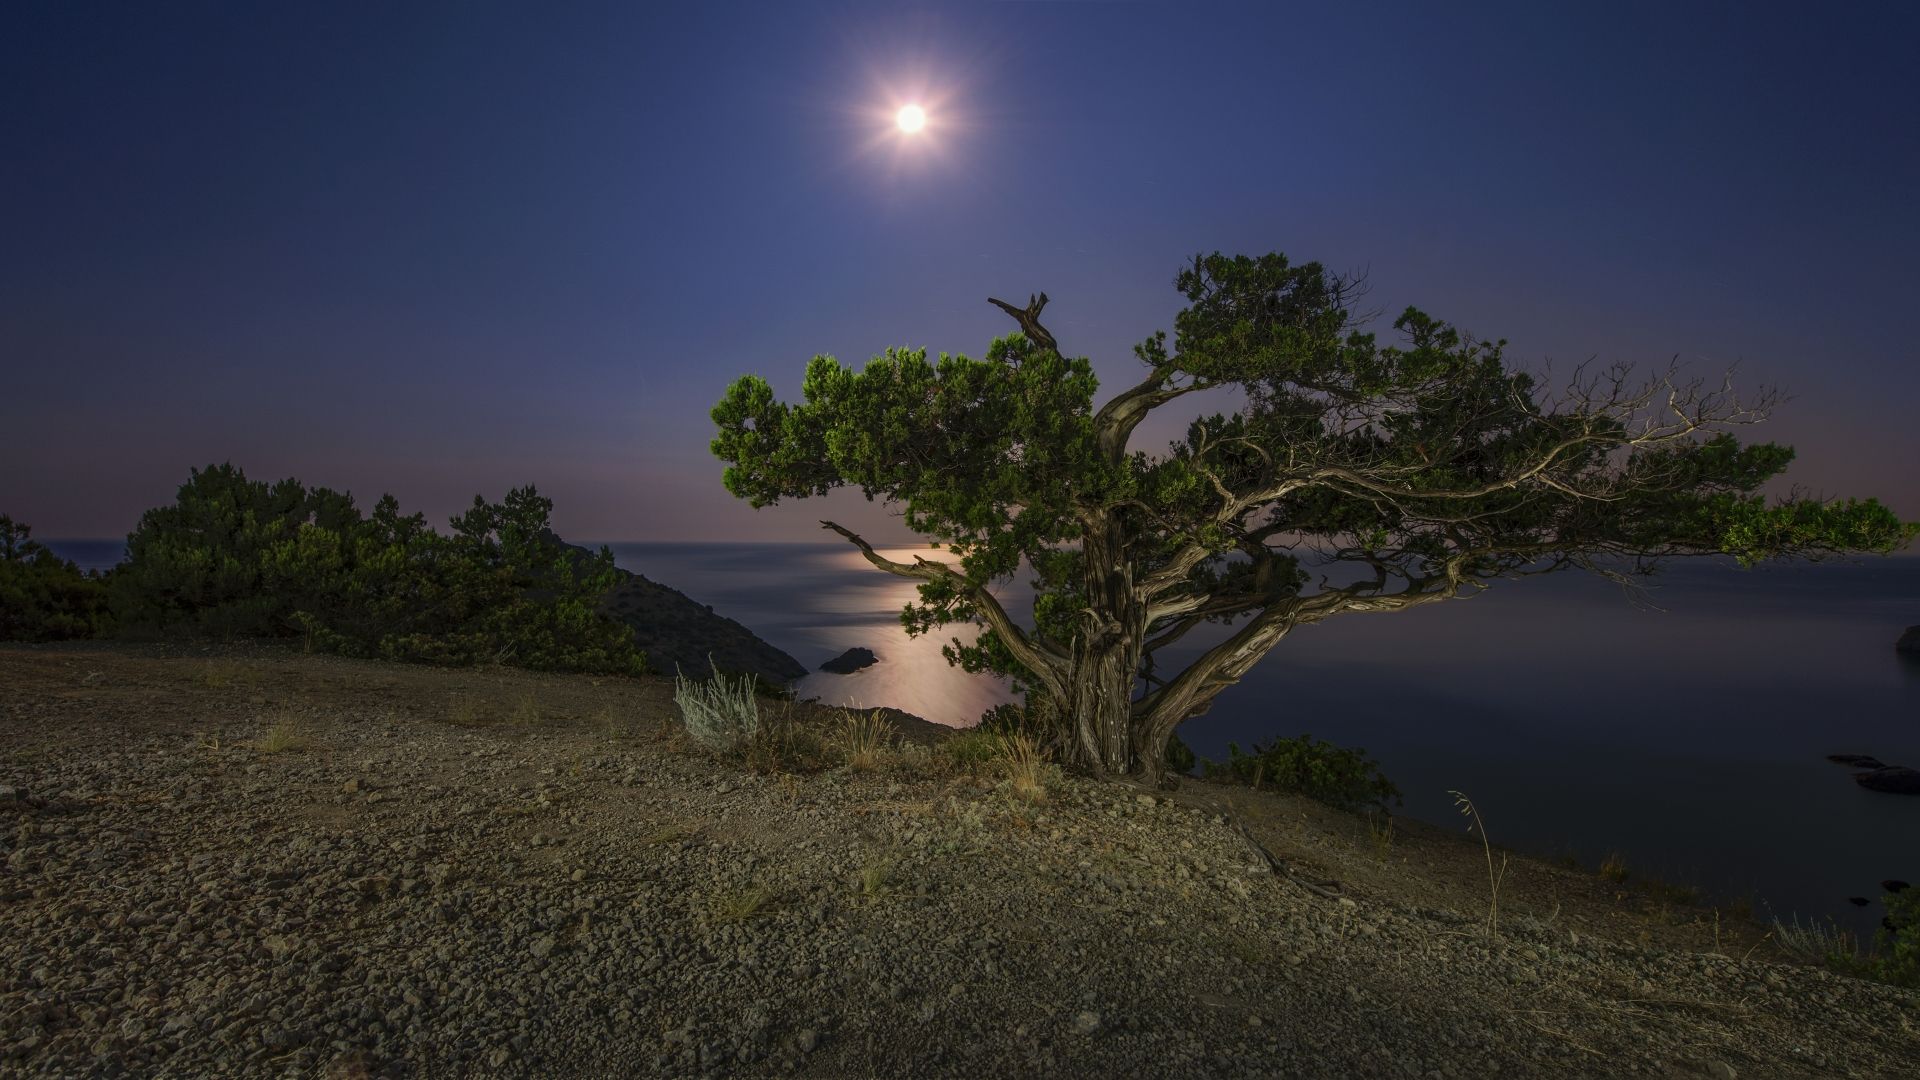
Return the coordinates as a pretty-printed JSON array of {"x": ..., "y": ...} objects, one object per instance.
[
  {"x": 351, "y": 787},
  {"x": 577, "y": 876},
  {"x": 1086, "y": 1022},
  {"x": 542, "y": 946},
  {"x": 806, "y": 1040}
]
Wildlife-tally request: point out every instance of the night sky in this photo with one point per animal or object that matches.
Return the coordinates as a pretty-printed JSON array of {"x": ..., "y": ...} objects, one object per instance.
[{"x": 441, "y": 252}]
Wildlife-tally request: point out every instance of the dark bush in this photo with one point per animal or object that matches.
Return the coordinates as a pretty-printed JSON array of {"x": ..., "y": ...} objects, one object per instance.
[
  {"x": 42, "y": 596},
  {"x": 237, "y": 557},
  {"x": 1341, "y": 778}
]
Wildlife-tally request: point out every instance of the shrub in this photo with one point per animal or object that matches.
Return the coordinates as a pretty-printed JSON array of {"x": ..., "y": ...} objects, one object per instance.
[
  {"x": 237, "y": 557},
  {"x": 1342, "y": 778},
  {"x": 973, "y": 750},
  {"x": 1897, "y": 959},
  {"x": 42, "y": 596},
  {"x": 721, "y": 713}
]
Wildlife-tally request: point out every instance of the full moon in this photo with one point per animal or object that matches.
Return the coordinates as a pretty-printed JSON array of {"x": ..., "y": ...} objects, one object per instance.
[{"x": 911, "y": 118}]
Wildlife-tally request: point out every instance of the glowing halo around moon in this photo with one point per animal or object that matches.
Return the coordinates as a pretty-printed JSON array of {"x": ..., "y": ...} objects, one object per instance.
[{"x": 907, "y": 125}]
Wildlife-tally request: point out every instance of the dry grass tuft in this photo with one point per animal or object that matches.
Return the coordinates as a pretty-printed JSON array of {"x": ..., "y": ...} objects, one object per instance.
[
  {"x": 464, "y": 712},
  {"x": 782, "y": 744},
  {"x": 1026, "y": 767},
  {"x": 1614, "y": 867},
  {"x": 875, "y": 877},
  {"x": 743, "y": 904},
  {"x": 1815, "y": 942},
  {"x": 1380, "y": 833},
  {"x": 526, "y": 711},
  {"x": 672, "y": 833},
  {"x": 865, "y": 739},
  {"x": 225, "y": 674},
  {"x": 611, "y": 724},
  {"x": 283, "y": 736}
]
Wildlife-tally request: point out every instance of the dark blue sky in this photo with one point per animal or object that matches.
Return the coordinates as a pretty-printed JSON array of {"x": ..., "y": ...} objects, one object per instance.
[{"x": 440, "y": 252}]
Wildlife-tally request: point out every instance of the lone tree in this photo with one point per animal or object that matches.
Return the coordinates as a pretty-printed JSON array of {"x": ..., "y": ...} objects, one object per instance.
[{"x": 1409, "y": 473}]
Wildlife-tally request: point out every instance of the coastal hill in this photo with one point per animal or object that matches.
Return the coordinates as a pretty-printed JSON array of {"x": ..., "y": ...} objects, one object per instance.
[
  {"x": 243, "y": 862},
  {"x": 676, "y": 632}
]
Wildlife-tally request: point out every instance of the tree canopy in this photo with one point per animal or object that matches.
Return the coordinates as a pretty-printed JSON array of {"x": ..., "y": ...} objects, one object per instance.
[
  {"x": 1396, "y": 474},
  {"x": 239, "y": 557}
]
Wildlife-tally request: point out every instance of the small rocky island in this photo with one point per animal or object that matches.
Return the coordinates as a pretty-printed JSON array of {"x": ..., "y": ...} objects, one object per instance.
[{"x": 850, "y": 661}]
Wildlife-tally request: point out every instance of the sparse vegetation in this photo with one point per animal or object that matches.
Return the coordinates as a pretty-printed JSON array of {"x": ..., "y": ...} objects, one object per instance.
[
  {"x": 1614, "y": 868},
  {"x": 739, "y": 905},
  {"x": 875, "y": 876},
  {"x": 782, "y": 744},
  {"x": 1380, "y": 834},
  {"x": 672, "y": 833},
  {"x": 1494, "y": 876},
  {"x": 1816, "y": 942},
  {"x": 284, "y": 735},
  {"x": 526, "y": 711},
  {"x": 225, "y": 675},
  {"x": 611, "y": 723},
  {"x": 464, "y": 712}
]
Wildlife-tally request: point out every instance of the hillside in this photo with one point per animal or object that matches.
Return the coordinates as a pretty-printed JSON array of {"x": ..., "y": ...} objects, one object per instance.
[
  {"x": 260, "y": 863},
  {"x": 679, "y": 634}
]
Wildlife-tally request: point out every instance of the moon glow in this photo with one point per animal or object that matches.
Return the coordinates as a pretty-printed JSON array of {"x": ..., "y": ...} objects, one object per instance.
[{"x": 910, "y": 119}]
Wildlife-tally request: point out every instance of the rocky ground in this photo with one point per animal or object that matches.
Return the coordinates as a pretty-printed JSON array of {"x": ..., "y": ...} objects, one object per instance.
[{"x": 260, "y": 864}]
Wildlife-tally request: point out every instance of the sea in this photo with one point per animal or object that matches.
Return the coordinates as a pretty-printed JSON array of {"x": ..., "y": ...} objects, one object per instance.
[{"x": 1684, "y": 727}]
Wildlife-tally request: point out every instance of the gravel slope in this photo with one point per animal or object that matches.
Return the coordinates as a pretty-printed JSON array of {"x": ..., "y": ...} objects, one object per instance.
[{"x": 506, "y": 874}]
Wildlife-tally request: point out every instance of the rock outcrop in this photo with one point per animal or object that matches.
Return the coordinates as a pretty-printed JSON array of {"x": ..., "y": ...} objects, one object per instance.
[
  {"x": 850, "y": 661},
  {"x": 1893, "y": 779}
]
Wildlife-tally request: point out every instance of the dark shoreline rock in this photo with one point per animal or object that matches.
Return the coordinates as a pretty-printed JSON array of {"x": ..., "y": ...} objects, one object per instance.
[
  {"x": 1909, "y": 643},
  {"x": 1893, "y": 779},
  {"x": 850, "y": 661},
  {"x": 1857, "y": 761}
]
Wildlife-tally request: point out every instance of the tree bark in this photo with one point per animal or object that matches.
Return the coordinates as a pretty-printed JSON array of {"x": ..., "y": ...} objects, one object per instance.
[{"x": 1106, "y": 655}]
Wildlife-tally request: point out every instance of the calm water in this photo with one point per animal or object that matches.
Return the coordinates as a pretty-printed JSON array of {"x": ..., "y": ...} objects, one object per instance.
[{"x": 1691, "y": 738}]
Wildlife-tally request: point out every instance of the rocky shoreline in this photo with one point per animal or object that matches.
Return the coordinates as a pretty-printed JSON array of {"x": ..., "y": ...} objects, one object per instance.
[{"x": 266, "y": 864}]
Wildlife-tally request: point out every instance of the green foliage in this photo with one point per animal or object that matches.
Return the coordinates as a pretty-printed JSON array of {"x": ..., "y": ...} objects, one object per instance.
[
  {"x": 236, "y": 557},
  {"x": 42, "y": 596},
  {"x": 1341, "y": 778},
  {"x": 1897, "y": 960}
]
